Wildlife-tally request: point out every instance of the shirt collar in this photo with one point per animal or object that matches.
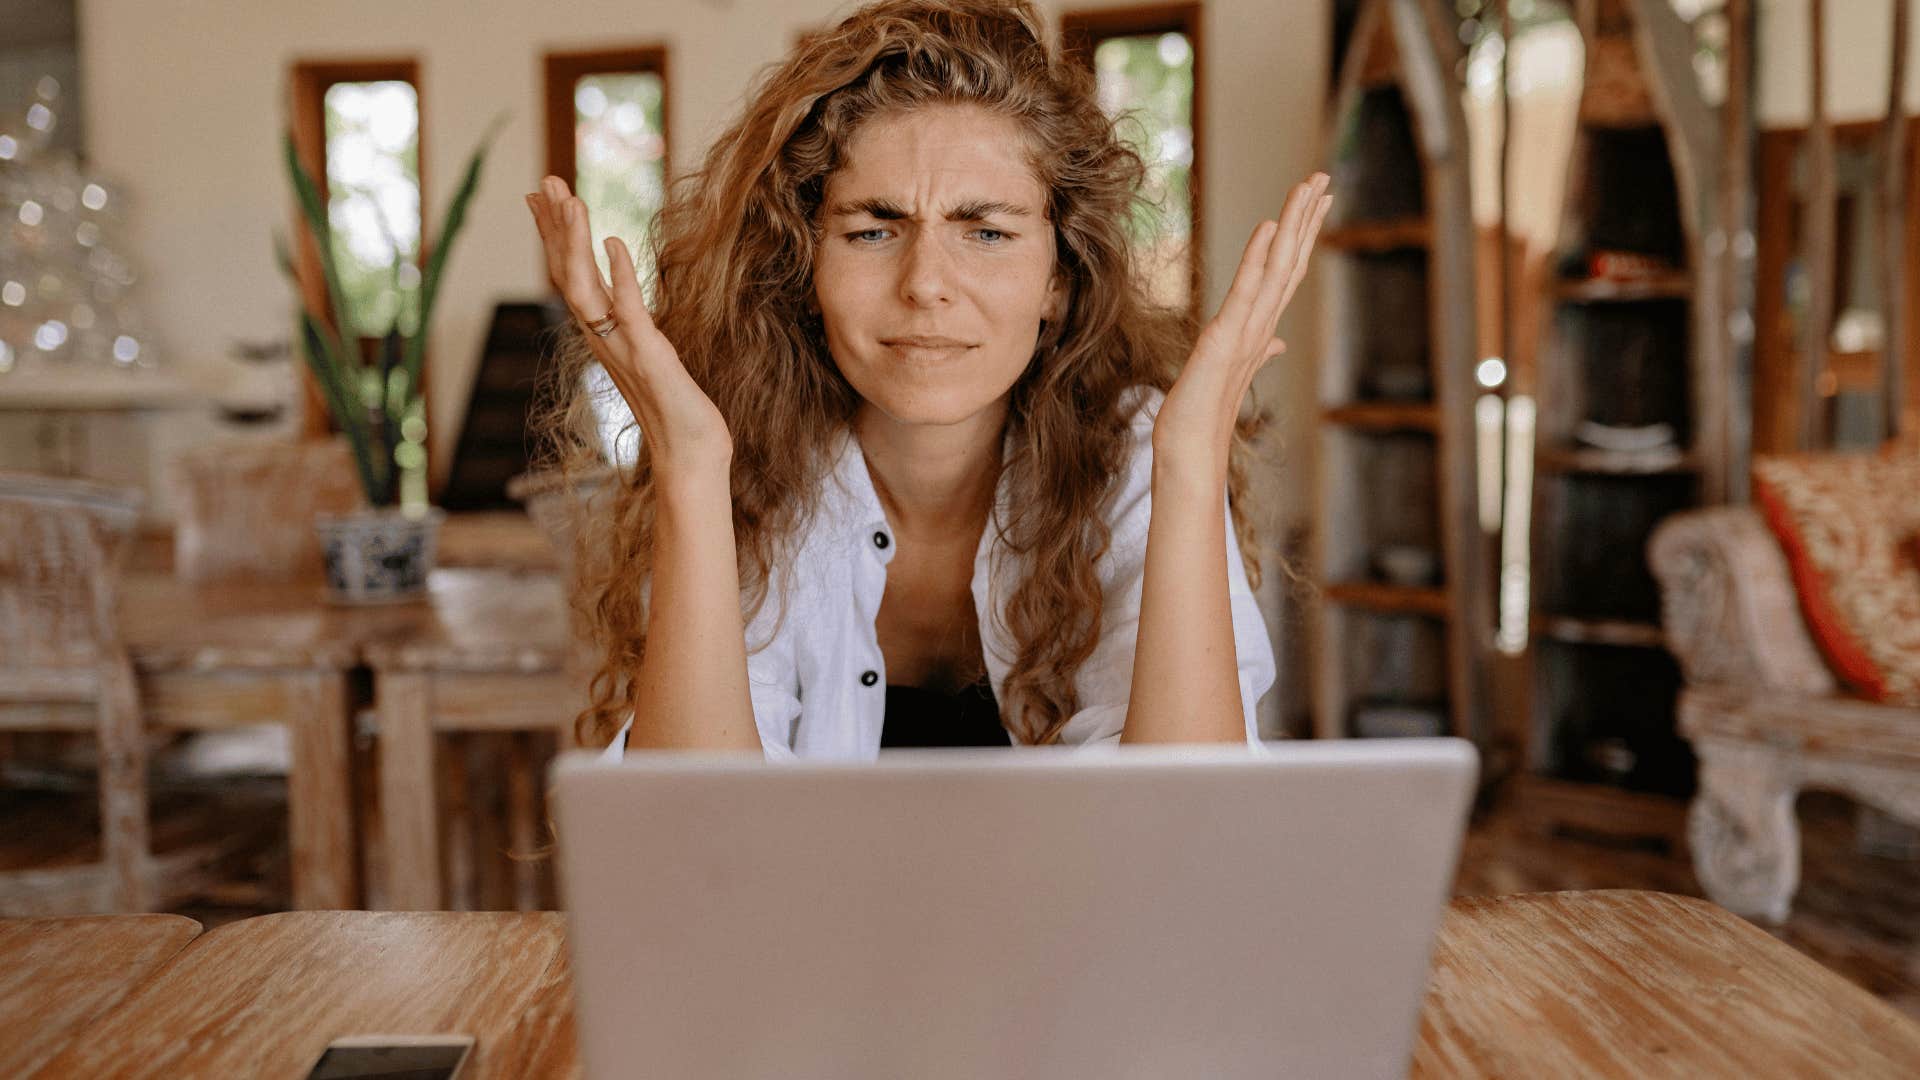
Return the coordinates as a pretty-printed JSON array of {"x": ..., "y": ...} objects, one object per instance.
[{"x": 854, "y": 506}]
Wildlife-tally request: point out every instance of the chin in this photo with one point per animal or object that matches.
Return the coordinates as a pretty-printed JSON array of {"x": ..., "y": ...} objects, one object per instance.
[{"x": 934, "y": 408}]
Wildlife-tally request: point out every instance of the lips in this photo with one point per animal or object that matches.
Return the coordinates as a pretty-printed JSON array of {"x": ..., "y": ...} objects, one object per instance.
[{"x": 926, "y": 341}]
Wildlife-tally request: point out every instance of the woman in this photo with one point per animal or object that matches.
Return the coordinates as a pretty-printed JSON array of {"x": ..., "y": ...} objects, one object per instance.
[{"x": 916, "y": 466}]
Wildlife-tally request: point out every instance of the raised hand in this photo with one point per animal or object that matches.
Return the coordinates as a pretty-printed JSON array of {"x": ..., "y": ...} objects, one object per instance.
[
  {"x": 683, "y": 429},
  {"x": 1195, "y": 424}
]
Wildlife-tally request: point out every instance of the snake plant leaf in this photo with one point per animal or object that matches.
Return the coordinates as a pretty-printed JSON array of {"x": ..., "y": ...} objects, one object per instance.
[
  {"x": 392, "y": 401},
  {"x": 315, "y": 213},
  {"x": 283, "y": 258},
  {"x": 437, "y": 261},
  {"x": 319, "y": 349}
]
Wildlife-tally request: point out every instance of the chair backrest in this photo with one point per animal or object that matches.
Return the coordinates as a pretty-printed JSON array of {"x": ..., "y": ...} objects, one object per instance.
[
  {"x": 246, "y": 510},
  {"x": 62, "y": 543},
  {"x": 559, "y": 511}
]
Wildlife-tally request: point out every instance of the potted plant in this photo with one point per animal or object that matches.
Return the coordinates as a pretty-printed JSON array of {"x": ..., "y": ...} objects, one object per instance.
[{"x": 384, "y": 552}]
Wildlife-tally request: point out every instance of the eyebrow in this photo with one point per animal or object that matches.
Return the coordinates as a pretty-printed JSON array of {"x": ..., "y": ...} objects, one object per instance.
[{"x": 888, "y": 210}]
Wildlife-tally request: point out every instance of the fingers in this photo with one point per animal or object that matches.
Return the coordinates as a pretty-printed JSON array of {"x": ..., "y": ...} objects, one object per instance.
[
  {"x": 629, "y": 305},
  {"x": 1246, "y": 280},
  {"x": 567, "y": 237},
  {"x": 584, "y": 288},
  {"x": 1296, "y": 221},
  {"x": 1306, "y": 251}
]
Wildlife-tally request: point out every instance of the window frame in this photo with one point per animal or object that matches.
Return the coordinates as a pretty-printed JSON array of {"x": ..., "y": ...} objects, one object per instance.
[
  {"x": 562, "y": 70},
  {"x": 1082, "y": 31},
  {"x": 310, "y": 80}
]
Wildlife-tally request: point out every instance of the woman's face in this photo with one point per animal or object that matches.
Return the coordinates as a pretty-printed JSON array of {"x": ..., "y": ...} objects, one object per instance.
[{"x": 936, "y": 263}]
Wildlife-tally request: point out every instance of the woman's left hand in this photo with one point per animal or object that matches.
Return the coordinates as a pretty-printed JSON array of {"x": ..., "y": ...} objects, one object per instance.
[{"x": 1196, "y": 422}]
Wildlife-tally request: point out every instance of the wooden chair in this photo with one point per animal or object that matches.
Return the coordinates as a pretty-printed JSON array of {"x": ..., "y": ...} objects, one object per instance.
[
  {"x": 63, "y": 667},
  {"x": 244, "y": 516},
  {"x": 245, "y": 510},
  {"x": 559, "y": 511}
]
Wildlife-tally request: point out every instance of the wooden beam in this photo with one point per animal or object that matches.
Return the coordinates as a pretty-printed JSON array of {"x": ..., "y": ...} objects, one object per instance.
[
  {"x": 1894, "y": 185},
  {"x": 1821, "y": 204}
]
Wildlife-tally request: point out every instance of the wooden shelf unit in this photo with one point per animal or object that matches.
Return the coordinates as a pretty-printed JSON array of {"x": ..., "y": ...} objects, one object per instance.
[
  {"x": 1599, "y": 708},
  {"x": 1390, "y": 599},
  {"x": 1587, "y": 459},
  {"x": 1385, "y": 416},
  {"x": 1623, "y": 632},
  {"x": 1666, "y": 285},
  {"x": 1377, "y": 236},
  {"x": 1396, "y": 386}
]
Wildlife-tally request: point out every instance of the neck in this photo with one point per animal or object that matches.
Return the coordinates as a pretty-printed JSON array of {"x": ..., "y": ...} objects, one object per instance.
[{"x": 933, "y": 479}]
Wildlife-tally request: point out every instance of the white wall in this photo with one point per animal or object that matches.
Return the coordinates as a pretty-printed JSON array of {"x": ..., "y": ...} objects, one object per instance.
[{"x": 185, "y": 100}]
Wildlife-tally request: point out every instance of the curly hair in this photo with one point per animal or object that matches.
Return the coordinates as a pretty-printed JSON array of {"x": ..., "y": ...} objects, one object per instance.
[{"x": 733, "y": 257}]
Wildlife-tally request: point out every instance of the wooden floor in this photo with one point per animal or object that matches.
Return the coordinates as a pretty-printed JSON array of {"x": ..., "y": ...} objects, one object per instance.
[{"x": 1856, "y": 913}]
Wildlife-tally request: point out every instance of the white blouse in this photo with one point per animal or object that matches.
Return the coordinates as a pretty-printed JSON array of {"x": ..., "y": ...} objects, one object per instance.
[{"x": 817, "y": 677}]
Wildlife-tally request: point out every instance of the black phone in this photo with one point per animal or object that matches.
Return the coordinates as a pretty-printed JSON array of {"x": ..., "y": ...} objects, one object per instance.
[{"x": 393, "y": 1057}]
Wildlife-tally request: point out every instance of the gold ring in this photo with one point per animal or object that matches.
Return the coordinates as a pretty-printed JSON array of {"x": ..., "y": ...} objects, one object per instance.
[{"x": 604, "y": 325}]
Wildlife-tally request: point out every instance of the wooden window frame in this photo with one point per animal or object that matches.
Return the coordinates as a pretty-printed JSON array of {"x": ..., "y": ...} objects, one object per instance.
[
  {"x": 1083, "y": 31},
  {"x": 1776, "y": 387},
  {"x": 310, "y": 81},
  {"x": 564, "y": 69}
]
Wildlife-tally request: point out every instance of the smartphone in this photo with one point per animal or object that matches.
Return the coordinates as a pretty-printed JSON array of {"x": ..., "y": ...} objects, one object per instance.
[{"x": 393, "y": 1057}]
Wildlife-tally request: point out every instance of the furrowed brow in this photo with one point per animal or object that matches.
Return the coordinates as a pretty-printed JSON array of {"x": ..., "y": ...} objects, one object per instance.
[
  {"x": 981, "y": 209},
  {"x": 888, "y": 210},
  {"x": 883, "y": 209}
]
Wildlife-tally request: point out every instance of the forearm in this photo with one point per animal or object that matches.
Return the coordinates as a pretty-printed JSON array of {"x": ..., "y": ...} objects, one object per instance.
[
  {"x": 1186, "y": 685},
  {"x": 691, "y": 689}
]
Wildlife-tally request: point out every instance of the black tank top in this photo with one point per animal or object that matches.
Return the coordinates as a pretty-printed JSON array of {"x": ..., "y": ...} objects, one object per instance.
[{"x": 969, "y": 717}]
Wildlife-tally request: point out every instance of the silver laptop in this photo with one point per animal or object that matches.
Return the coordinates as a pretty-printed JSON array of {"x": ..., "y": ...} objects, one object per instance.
[{"x": 1153, "y": 912}]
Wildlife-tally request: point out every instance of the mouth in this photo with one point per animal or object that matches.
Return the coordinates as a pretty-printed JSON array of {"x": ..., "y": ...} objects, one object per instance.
[{"x": 925, "y": 341}]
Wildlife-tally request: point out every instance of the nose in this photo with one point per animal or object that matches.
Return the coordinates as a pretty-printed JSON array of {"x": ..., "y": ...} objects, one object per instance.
[{"x": 926, "y": 276}]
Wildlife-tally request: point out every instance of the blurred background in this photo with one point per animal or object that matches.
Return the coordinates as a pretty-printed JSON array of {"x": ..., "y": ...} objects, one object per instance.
[{"x": 1595, "y": 443}]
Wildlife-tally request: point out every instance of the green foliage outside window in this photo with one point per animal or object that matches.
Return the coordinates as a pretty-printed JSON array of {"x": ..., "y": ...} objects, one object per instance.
[{"x": 373, "y": 201}]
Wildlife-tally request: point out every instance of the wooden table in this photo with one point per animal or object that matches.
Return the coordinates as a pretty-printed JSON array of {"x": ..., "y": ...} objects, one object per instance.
[
  {"x": 59, "y": 975},
  {"x": 1542, "y": 985},
  {"x": 491, "y": 656},
  {"x": 263, "y": 997},
  {"x": 213, "y": 657},
  {"x": 225, "y": 655},
  {"x": 1642, "y": 984}
]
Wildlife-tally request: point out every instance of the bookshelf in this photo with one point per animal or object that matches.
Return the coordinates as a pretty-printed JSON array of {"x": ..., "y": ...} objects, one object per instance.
[
  {"x": 1401, "y": 612},
  {"x": 1632, "y": 423}
]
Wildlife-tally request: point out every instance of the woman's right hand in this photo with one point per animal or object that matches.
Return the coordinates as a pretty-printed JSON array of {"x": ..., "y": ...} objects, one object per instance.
[{"x": 684, "y": 431}]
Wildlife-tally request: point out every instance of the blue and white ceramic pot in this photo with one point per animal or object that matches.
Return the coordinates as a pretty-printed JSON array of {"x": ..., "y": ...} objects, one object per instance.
[{"x": 379, "y": 556}]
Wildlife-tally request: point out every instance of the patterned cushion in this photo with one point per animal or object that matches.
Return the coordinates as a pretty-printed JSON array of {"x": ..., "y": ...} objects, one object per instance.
[{"x": 1847, "y": 523}]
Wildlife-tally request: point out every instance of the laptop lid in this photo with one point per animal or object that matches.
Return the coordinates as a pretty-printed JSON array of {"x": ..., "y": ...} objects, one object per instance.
[{"x": 1148, "y": 912}]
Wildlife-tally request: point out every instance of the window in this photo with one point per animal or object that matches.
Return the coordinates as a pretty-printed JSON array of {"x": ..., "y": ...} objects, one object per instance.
[
  {"x": 607, "y": 137},
  {"x": 1147, "y": 65},
  {"x": 357, "y": 126}
]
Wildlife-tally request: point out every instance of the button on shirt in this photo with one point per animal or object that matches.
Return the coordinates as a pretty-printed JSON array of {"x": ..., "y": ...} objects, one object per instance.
[{"x": 816, "y": 675}]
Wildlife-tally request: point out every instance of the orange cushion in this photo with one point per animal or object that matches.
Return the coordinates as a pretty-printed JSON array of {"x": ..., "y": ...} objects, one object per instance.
[{"x": 1846, "y": 523}]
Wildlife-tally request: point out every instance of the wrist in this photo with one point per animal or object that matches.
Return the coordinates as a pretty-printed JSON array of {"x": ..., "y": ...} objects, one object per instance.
[
  {"x": 1183, "y": 473},
  {"x": 684, "y": 489}
]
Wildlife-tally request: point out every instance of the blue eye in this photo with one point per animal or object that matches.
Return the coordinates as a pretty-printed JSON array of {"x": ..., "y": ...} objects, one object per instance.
[
  {"x": 997, "y": 238},
  {"x": 864, "y": 234}
]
